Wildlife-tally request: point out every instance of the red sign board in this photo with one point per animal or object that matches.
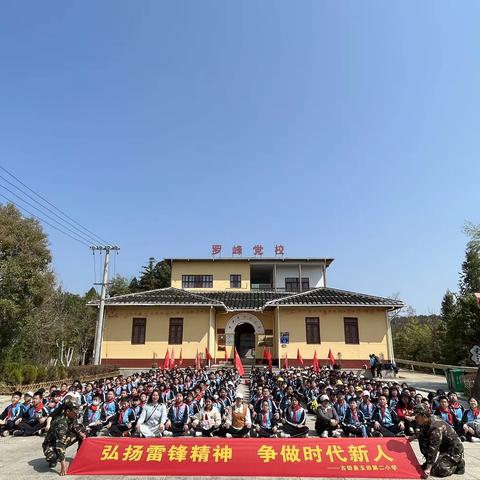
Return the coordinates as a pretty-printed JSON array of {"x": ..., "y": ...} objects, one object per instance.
[{"x": 272, "y": 457}]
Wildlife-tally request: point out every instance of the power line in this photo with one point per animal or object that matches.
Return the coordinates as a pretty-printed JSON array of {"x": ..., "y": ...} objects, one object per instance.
[
  {"x": 49, "y": 216},
  {"x": 44, "y": 221},
  {"x": 87, "y": 237},
  {"x": 56, "y": 208}
]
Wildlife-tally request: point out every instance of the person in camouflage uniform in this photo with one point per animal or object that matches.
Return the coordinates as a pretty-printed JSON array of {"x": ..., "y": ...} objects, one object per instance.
[
  {"x": 64, "y": 431},
  {"x": 439, "y": 444}
]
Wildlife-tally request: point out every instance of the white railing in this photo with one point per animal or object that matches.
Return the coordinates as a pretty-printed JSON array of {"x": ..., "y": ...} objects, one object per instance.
[{"x": 433, "y": 366}]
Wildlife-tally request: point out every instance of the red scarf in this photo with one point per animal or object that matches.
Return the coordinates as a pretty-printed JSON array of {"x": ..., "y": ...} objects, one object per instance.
[
  {"x": 449, "y": 415},
  {"x": 39, "y": 407}
]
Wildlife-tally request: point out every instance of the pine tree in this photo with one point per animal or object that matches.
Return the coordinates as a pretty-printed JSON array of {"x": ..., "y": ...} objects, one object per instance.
[
  {"x": 470, "y": 274},
  {"x": 154, "y": 275},
  {"x": 133, "y": 285}
]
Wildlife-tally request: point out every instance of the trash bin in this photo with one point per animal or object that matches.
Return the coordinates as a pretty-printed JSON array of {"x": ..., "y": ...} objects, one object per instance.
[{"x": 458, "y": 384}]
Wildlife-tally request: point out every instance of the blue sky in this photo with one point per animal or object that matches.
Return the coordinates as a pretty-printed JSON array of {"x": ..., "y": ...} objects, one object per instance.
[{"x": 345, "y": 129}]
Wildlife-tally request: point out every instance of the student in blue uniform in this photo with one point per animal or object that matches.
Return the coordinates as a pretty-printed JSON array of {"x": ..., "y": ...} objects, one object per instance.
[
  {"x": 110, "y": 406},
  {"x": 178, "y": 417},
  {"x": 92, "y": 416},
  {"x": 33, "y": 418},
  {"x": 122, "y": 422},
  {"x": 11, "y": 415},
  {"x": 354, "y": 422},
  {"x": 265, "y": 421}
]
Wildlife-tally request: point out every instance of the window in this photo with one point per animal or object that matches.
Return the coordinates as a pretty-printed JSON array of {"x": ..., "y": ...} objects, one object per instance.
[
  {"x": 138, "y": 330},
  {"x": 291, "y": 284},
  {"x": 351, "y": 330},
  {"x": 235, "y": 281},
  {"x": 312, "y": 324},
  {"x": 175, "y": 331},
  {"x": 197, "y": 281}
]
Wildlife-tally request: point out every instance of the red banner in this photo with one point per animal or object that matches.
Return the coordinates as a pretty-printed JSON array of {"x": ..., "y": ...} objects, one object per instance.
[{"x": 272, "y": 457}]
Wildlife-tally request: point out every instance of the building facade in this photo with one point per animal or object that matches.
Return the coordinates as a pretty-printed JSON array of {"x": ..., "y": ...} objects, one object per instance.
[{"x": 221, "y": 304}]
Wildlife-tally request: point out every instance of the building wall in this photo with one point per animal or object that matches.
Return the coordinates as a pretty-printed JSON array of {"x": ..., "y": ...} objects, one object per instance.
[
  {"x": 372, "y": 329},
  {"x": 118, "y": 349},
  {"x": 313, "y": 272},
  {"x": 221, "y": 272},
  {"x": 202, "y": 323}
]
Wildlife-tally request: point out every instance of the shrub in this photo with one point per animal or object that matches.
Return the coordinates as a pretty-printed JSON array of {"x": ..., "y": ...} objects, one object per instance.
[
  {"x": 30, "y": 373},
  {"x": 42, "y": 374},
  {"x": 59, "y": 373}
]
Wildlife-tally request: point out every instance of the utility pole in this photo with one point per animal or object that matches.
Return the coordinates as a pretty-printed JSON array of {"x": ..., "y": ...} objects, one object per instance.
[{"x": 97, "y": 349}]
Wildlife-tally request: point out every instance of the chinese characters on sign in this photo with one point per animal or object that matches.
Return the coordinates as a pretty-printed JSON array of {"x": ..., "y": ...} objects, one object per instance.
[
  {"x": 258, "y": 250},
  {"x": 355, "y": 457}
]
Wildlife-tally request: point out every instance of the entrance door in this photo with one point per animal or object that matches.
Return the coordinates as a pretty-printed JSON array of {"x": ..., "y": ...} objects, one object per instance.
[{"x": 245, "y": 342}]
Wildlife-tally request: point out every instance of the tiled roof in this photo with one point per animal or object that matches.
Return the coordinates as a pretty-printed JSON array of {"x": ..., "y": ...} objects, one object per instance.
[
  {"x": 162, "y": 296},
  {"x": 252, "y": 300},
  {"x": 333, "y": 296}
]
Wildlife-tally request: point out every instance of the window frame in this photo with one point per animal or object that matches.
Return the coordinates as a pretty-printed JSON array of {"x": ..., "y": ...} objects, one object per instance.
[
  {"x": 351, "y": 337},
  {"x": 175, "y": 331},
  {"x": 312, "y": 323},
  {"x": 139, "y": 330},
  {"x": 294, "y": 281},
  {"x": 237, "y": 281},
  {"x": 197, "y": 281}
]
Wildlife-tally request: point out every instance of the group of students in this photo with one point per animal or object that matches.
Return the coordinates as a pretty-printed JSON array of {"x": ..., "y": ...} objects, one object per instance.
[
  {"x": 154, "y": 403},
  {"x": 349, "y": 404}
]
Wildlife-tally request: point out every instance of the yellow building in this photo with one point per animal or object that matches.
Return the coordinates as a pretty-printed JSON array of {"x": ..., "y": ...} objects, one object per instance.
[{"x": 247, "y": 303}]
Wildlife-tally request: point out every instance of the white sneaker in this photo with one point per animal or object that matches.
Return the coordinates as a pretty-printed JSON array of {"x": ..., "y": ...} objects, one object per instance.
[
  {"x": 198, "y": 434},
  {"x": 285, "y": 435},
  {"x": 228, "y": 435},
  {"x": 475, "y": 439},
  {"x": 167, "y": 433},
  {"x": 324, "y": 434}
]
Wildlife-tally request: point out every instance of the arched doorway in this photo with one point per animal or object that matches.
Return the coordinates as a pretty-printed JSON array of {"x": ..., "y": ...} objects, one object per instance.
[
  {"x": 245, "y": 342},
  {"x": 245, "y": 327}
]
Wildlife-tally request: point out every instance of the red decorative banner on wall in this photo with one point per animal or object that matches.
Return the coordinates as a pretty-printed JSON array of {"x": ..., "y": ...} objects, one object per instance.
[{"x": 188, "y": 456}]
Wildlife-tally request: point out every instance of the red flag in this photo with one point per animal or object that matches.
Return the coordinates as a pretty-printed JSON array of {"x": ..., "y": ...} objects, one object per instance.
[
  {"x": 226, "y": 355},
  {"x": 180, "y": 359},
  {"x": 207, "y": 355},
  {"x": 166, "y": 361},
  {"x": 238, "y": 364},
  {"x": 198, "y": 363},
  {"x": 299, "y": 357},
  {"x": 267, "y": 356},
  {"x": 316, "y": 367},
  {"x": 172, "y": 360},
  {"x": 285, "y": 362},
  {"x": 331, "y": 358}
]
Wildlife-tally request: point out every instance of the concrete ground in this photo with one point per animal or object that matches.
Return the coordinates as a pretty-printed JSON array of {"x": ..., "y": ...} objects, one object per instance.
[{"x": 22, "y": 458}]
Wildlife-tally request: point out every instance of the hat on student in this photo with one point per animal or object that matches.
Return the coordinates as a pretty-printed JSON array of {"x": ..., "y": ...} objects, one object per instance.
[
  {"x": 239, "y": 395},
  {"x": 339, "y": 382},
  {"x": 421, "y": 409},
  {"x": 28, "y": 394},
  {"x": 358, "y": 389},
  {"x": 366, "y": 393},
  {"x": 280, "y": 379},
  {"x": 324, "y": 398}
]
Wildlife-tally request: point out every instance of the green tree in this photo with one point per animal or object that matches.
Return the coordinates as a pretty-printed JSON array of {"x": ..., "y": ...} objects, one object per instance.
[
  {"x": 133, "y": 286},
  {"x": 470, "y": 274},
  {"x": 119, "y": 286},
  {"x": 154, "y": 275},
  {"x": 26, "y": 278},
  {"x": 413, "y": 341}
]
